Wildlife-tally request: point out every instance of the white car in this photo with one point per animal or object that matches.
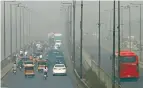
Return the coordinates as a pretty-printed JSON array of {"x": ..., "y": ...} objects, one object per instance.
[{"x": 59, "y": 69}]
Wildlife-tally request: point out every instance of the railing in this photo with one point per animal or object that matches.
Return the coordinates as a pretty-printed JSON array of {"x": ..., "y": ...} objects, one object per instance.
[{"x": 7, "y": 61}]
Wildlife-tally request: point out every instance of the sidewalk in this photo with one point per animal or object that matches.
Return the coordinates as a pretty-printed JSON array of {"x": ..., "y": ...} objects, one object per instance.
[{"x": 5, "y": 70}]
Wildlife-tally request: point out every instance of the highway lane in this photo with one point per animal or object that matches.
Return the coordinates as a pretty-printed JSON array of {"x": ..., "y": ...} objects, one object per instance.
[
  {"x": 19, "y": 80},
  {"x": 91, "y": 46}
]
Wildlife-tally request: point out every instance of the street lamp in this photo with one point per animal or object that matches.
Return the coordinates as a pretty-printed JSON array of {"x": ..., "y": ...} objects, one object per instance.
[
  {"x": 11, "y": 27},
  {"x": 28, "y": 25},
  {"x": 20, "y": 20},
  {"x": 69, "y": 26},
  {"x": 5, "y": 31},
  {"x": 16, "y": 22},
  {"x": 73, "y": 54},
  {"x": 140, "y": 38}
]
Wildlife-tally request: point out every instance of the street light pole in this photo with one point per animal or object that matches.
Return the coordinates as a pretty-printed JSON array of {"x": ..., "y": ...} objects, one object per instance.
[
  {"x": 122, "y": 28},
  {"x": 4, "y": 32},
  {"x": 16, "y": 25},
  {"x": 11, "y": 29},
  {"x": 23, "y": 29},
  {"x": 20, "y": 27},
  {"x": 113, "y": 59},
  {"x": 129, "y": 25},
  {"x": 99, "y": 52},
  {"x": 140, "y": 32},
  {"x": 118, "y": 42},
  {"x": 71, "y": 23},
  {"x": 29, "y": 28},
  {"x": 81, "y": 28},
  {"x": 140, "y": 36},
  {"x": 73, "y": 56}
]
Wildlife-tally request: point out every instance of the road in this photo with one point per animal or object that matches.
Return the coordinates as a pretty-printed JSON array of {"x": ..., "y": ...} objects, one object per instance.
[
  {"x": 91, "y": 46},
  {"x": 19, "y": 80}
]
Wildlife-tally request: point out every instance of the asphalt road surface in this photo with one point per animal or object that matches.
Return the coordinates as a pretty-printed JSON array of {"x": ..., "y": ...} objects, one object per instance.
[
  {"x": 91, "y": 46},
  {"x": 19, "y": 80}
]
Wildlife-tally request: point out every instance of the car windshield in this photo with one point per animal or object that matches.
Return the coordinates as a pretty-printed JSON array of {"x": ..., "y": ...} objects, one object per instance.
[
  {"x": 59, "y": 65},
  {"x": 28, "y": 62},
  {"x": 59, "y": 57},
  {"x": 125, "y": 59},
  {"x": 41, "y": 63},
  {"x": 29, "y": 68}
]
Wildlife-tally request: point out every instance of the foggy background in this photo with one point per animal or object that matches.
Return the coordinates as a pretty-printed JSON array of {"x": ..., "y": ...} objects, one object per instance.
[{"x": 47, "y": 16}]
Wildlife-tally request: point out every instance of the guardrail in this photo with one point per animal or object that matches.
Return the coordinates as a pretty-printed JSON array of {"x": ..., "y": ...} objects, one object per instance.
[
  {"x": 6, "y": 65},
  {"x": 6, "y": 61}
]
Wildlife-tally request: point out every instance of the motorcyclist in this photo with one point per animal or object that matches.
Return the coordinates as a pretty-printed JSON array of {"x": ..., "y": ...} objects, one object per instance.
[
  {"x": 14, "y": 66},
  {"x": 20, "y": 63},
  {"x": 21, "y": 52},
  {"x": 40, "y": 56},
  {"x": 26, "y": 53},
  {"x": 45, "y": 70}
]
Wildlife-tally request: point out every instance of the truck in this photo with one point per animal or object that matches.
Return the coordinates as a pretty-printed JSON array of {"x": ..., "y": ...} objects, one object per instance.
[{"x": 58, "y": 39}]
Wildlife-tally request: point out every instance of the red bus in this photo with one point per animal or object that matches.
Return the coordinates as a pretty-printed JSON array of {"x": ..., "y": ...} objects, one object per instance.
[{"x": 129, "y": 64}]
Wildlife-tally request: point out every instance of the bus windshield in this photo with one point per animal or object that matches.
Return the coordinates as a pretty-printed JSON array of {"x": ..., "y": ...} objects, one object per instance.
[{"x": 125, "y": 59}]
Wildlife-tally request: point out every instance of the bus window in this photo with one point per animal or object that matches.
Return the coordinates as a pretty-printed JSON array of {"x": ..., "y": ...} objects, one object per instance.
[{"x": 125, "y": 59}]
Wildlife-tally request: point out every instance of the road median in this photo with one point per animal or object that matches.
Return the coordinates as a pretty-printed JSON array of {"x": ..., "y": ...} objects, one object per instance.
[{"x": 95, "y": 76}]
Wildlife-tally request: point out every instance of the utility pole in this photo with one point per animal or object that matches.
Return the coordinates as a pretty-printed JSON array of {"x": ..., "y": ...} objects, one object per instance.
[
  {"x": 73, "y": 56},
  {"x": 118, "y": 43},
  {"x": 99, "y": 52},
  {"x": 113, "y": 59},
  {"x": 81, "y": 28}
]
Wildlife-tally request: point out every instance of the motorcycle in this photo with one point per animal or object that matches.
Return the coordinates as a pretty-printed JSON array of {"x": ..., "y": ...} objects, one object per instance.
[
  {"x": 14, "y": 71},
  {"x": 45, "y": 76},
  {"x": 20, "y": 68}
]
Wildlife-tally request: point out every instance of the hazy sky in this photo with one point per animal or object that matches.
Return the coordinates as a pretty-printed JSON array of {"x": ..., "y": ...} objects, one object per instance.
[{"x": 47, "y": 17}]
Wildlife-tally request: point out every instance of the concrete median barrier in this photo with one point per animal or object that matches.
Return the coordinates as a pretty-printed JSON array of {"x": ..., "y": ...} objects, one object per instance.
[{"x": 105, "y": 81}]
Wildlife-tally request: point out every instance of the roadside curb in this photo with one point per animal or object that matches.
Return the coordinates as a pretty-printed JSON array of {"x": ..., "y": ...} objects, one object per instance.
[{"x": 80, "y": 79}]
